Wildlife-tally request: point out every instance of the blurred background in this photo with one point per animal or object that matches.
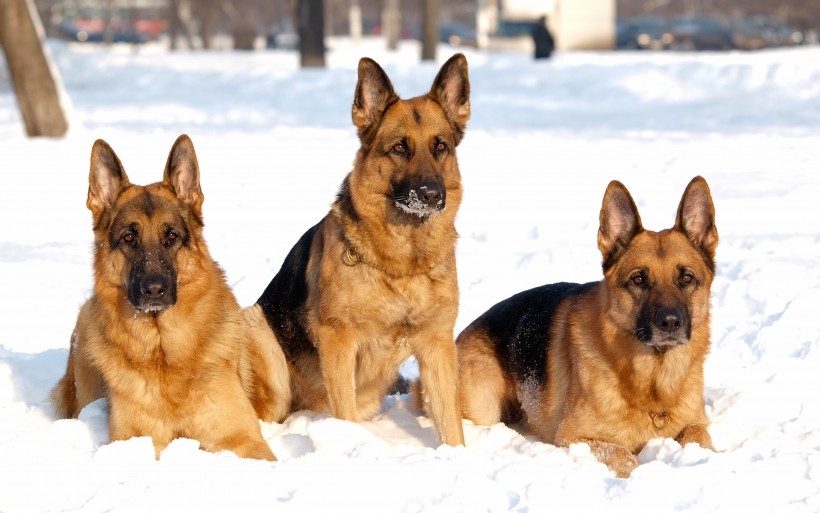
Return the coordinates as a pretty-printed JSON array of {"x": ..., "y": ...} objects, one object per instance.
[
  {"x": 310, "y": 27},
  {"x": 484, "y": 24}
]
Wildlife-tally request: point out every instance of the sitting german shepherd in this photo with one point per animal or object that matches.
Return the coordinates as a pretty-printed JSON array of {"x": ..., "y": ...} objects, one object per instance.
[
  {"x": 375, "y": 280},
  {"x": 612, "y": 363},
  {"x": 163, "y": 337}
]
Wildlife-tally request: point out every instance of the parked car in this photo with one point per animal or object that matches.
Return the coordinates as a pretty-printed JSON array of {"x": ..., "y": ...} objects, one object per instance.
[
  {"x": 512, "y": 35},
  {"x": 282, "y": 36},
  {"x": 457, "y": 34},
  {"x": 643, "y": 33},
  {"x": 759, "y": 32},
  {"x": 700, "y": 33},
  {"x": 282, "y": 41},
  {"x": 93, "y": 31}
]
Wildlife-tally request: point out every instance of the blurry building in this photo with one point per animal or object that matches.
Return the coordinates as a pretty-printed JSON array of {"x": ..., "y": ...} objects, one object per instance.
[{"x": 575, "y": 24}]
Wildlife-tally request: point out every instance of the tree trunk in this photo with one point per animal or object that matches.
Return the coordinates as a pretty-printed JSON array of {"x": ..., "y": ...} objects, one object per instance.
[
  {"x": 183, "y": 17},
  {"x": 174, "y": 23},
  {"x": 33, "y": 74},
  {"x": 209, "y": 11},
  {"x": 391, "y": 23},
  {"x": 244, "y": 35},
  {"x": 311, "y": 21},
  {"x": 108, "y": 30},
  {"x": 244, "y": 31},
  {"x": 354, "y": 18},
  {"x": 429, "y": 40}
]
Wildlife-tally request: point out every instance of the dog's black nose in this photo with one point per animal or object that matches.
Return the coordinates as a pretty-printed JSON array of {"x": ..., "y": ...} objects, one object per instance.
[
  {"x": 668, "y": 319},
  {"x": 153, "y": 287},
  {"x": 430, "y": 194}
]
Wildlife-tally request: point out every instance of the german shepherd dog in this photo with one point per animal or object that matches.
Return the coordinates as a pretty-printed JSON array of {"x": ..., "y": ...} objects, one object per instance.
[
  {"x": 162, "y": 337},
  {"x": 612, "y": 363},
  {"x": 375, "y": 280}
]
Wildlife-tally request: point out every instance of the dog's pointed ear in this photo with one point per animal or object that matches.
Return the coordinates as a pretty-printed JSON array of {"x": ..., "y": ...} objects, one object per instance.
[
  {"x": 620, "y": 222},
  {"x": 374, "y": 93},
  {"x": 106, "y": 179},
  {"x": 696, "y": 217},
  {"x": 451, "y": 89},
  {"x": 182, "y": 173}
]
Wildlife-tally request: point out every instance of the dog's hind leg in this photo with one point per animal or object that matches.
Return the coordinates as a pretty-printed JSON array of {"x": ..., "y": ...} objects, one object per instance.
[
  {"x": 485, "y": 392},
  {"x": 264, "y": 369}
]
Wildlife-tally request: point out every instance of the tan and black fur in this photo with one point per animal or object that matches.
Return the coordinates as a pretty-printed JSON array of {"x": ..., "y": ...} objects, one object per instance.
[
  {"x": 162, "y": 337},
  {"x": 375, "y": 280},
  {"x": 612, "y": 363}
]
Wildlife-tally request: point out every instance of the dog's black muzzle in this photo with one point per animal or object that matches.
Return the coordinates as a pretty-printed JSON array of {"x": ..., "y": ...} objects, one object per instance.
[
  {"x": 664, "y": 327},
  {"x": 152, "y": 292},
  {"x": 421, "y": 198}
]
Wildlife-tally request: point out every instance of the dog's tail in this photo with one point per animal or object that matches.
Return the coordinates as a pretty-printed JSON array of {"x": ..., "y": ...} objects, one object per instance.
[
  {"x": 64, "y": 395},
  {"x": 413, "y": 387},
  {"x": 83, "y": 383}
]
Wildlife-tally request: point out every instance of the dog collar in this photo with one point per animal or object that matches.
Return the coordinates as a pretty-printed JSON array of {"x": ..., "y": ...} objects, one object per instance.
[
  {"x": 352, "y": 258},
  {"x": 660, "y": 419}
]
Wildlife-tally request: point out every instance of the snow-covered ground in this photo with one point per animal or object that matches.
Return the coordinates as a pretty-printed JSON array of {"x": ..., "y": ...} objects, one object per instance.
[{"x": 274, "y": 143}]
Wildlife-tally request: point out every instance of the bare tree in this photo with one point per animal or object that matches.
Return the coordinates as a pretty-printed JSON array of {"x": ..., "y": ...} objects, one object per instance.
[
  {"x": 429, "y": 38},
  {"x": 108, "y": 19},
  {"x": 181, "y": 23},
  {"x": 32, "y": 72},
  {"x": 391, "y": 23},
  {"x": 209, "y": 12},
  {"x": 354, "y": 19},
  {"x": 242, "y": 15},
  {"x": 311, "y": 26}
]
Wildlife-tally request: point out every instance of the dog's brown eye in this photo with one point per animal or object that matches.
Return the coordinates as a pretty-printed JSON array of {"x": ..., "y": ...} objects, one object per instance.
[
  {"x": 172, "y": 236},
  {"x": 399, "y": 148},
  {"x": 128, "y": 238},
  {"x": 687, "y": 278},
  {"x": 638, "y": 279},
  {"x": 441, "y": 147}
]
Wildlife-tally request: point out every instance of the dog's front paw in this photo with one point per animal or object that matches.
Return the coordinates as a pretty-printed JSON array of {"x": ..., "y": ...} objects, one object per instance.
[
  {"x": 696, "y": 433},
  {"x": 617, "y": 457}
]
